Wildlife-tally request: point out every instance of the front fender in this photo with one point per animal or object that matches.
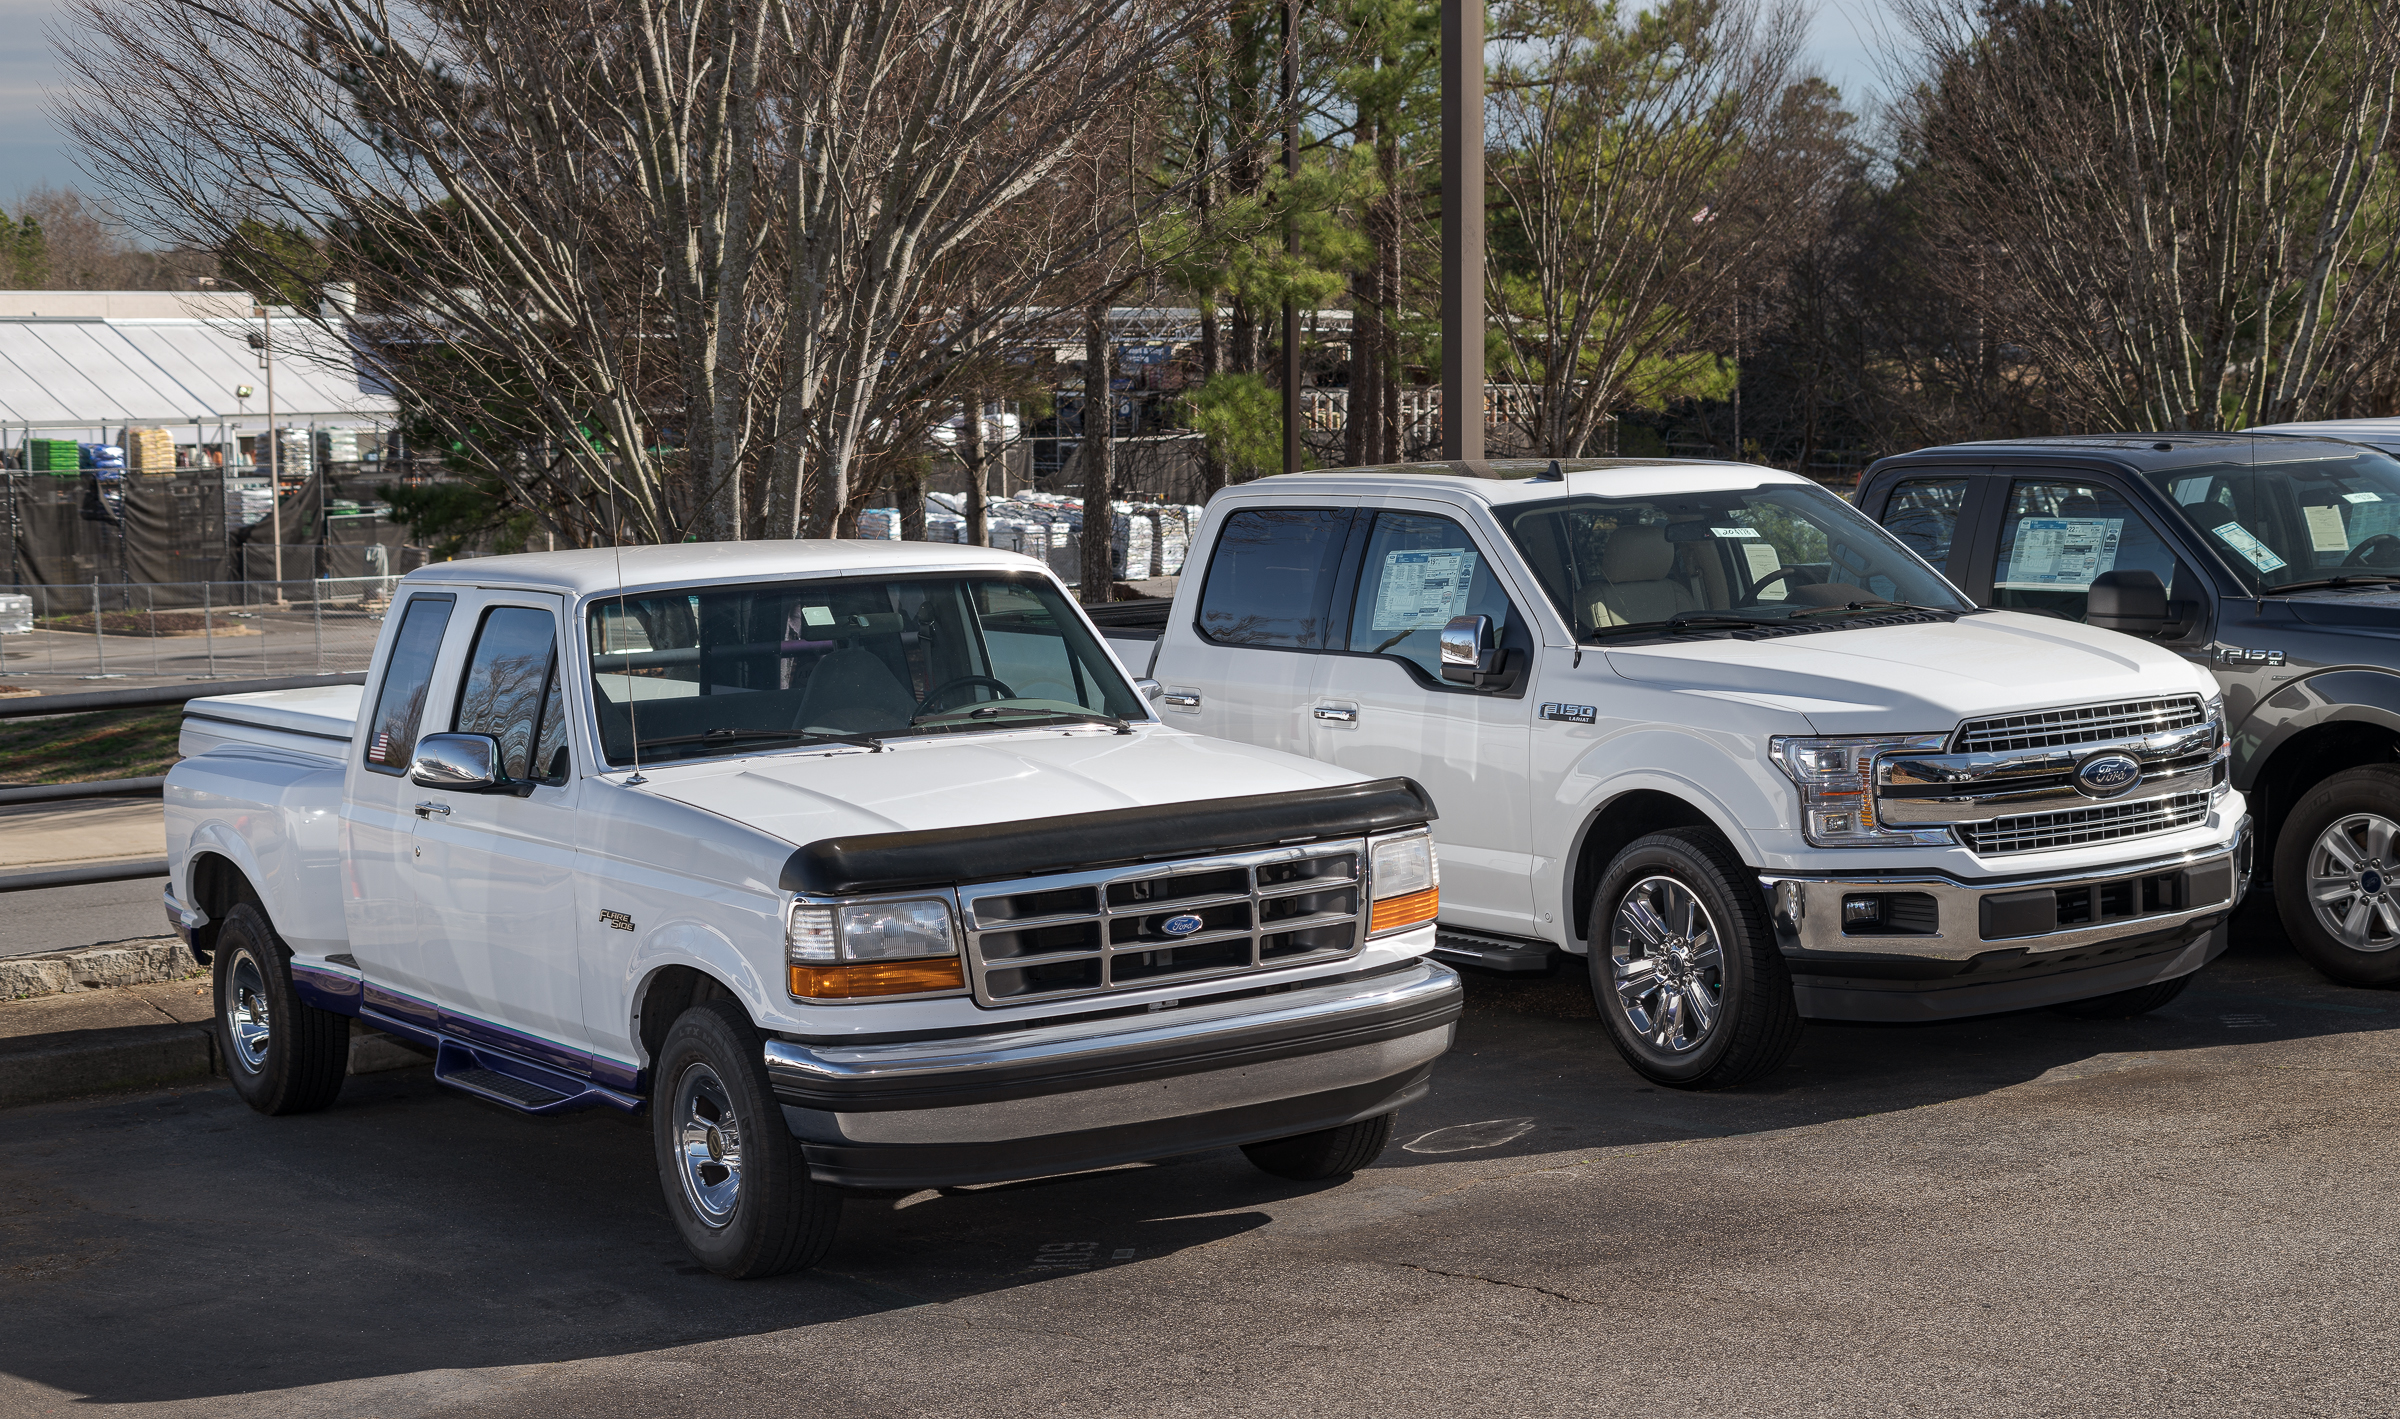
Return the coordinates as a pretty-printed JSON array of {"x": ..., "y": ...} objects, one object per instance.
[
  {"x": 1713, "y": 770},
  {"x": 2325, "y": 697},
  {"x": 695, "y": 944}
]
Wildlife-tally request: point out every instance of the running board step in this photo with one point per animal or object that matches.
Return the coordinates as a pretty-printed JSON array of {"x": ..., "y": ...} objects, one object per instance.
[
  {"x": 520, "y": 1084},
  {"x": 1493, "y": 953}
]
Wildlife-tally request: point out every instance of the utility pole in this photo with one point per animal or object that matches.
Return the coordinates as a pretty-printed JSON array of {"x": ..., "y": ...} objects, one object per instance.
[
  {"x": 266, "y": 316},
  {"x": 1291, "y": 234},
  {"x": 1462, "y": 229}
]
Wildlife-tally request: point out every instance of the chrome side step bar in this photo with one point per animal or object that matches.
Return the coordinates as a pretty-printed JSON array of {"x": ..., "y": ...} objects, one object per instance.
[{"x": 519, "y": 1084}]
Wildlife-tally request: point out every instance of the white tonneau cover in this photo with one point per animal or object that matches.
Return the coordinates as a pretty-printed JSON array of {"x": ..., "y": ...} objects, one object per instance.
[{"x": 316, "y": 720}]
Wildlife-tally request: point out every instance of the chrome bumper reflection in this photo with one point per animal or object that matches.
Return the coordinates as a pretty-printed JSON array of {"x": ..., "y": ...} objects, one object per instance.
[{"x": 1807, "y": 912}]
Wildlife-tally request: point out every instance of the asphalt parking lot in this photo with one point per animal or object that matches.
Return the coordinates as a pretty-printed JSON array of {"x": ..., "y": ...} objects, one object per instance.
[{"x": 2192, "y": 1213}]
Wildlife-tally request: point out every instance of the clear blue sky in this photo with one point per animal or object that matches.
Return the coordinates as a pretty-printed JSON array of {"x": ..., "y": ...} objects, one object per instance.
[{"x": 1843, "y": 41}]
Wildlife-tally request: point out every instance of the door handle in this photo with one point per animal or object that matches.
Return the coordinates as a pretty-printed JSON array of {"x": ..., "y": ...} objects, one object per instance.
[
  {"x": 427, "y": 810},
  {"x": 1180, "y": 699},
  {"x": 1338, "y": 716}
]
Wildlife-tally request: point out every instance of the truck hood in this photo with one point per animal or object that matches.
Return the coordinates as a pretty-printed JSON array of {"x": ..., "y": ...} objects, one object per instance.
[
  {"x": 2334, "y": 608},
  {"x": 1922, "y": 678},
  {"x": 802, "y": 798}
]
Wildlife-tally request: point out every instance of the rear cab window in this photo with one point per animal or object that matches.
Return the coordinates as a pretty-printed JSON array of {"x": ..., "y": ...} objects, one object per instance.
[
  {"x": 1271, "y": 575},
  {"x": 407, "y": 679}
]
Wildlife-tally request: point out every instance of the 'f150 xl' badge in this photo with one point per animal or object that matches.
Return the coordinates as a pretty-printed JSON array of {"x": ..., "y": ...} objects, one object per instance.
[{"x": 1572, "y": 714}]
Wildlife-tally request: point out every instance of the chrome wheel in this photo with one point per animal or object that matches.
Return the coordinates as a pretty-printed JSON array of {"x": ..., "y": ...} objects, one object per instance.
[
  {"x": 708, "y": 1137},
  {"x": 1667, "y": 965},
  {"x": 248, "y": 1021},
  {"x": 2350, "y": 882}
]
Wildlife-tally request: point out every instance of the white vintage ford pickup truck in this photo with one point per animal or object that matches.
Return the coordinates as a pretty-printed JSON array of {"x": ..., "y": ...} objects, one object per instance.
[
  {"x": 1707, "y": 726},
  {"x": 854, "y": 863}
]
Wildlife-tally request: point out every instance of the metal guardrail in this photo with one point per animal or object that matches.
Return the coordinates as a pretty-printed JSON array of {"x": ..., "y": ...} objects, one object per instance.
[
  {"x": 42, "y": 706},
  {"x": 130, "y": 870},
  {"x": 97, "y": 788}
]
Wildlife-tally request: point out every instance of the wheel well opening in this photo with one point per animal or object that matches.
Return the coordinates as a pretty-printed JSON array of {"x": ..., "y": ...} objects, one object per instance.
[
  {"x": 2305, "y": 759},
  {"x": 1620, "y": 821},
  {"x": 217, "y": 888},
  {"x": 670, "y": 992}
]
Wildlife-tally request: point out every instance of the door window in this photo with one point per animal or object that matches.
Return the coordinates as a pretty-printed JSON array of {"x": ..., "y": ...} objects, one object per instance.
[
  {"x": 511, "y": 692},
  {"x": 1271, "y": 577},
  {"x": 1923, "y": 512},
  {"x": 2058, "y": 536},
  {"x": 400, "y": 704},
  {"x": 1420, "y": 571}
]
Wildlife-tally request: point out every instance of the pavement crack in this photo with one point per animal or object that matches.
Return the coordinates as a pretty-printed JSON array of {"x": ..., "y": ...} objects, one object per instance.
[{"x": 1496, "y": 1281}]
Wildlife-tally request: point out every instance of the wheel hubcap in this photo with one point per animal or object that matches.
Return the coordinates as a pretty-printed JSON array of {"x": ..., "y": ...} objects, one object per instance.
[
  {"x": 709, "y": 1142},
  {"x": 2350, "y": 884},
  {"x": 1667, "y": 965},
  {"x": 248, "y": 1021}
]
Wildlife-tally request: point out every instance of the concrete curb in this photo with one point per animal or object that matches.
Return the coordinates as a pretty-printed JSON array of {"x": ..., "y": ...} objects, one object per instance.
[
  {"x": 106, "y": 1061},
  {"x": 136, "y": 962}
]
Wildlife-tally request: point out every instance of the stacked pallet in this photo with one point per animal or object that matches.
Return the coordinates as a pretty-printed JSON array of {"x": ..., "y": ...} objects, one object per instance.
[
  {"x": 149, "y": 451},
  {"x": 57, "y": 457}
]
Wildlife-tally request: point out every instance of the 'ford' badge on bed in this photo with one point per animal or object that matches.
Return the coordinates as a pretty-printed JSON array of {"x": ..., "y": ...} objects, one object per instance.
[{"x": 1180, "y": 925}]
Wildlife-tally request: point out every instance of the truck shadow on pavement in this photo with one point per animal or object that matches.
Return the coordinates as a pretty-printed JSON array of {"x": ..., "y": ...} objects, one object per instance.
[{"x": 176, "y": 1246}]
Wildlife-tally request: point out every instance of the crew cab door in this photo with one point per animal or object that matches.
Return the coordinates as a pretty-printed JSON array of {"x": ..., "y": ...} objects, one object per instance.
[
  {"x": 1381, "y": 707},
  {"x": 1245, "y": 665},
  {"x": 493, "y": 873}
]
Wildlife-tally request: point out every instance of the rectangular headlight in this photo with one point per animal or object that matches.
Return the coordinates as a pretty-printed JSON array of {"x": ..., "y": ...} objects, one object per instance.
[
  {"x": 860, "y": 950},
  {"x": 1404, "y": 878}
]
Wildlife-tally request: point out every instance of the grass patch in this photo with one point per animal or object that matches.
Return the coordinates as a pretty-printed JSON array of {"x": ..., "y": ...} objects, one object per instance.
[{"x": 79, "y": 748}]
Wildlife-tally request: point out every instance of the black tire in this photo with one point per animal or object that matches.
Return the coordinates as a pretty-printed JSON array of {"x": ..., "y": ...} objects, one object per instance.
[
  {"x": 1757, "y": 1024},
  {"x": 775, "y": 1218},
  {"x": 2354, "y": 797},
  {"x": 1327, "y": 1153},
  {"x": 2125, "y": 1004},
  {"x": 284, "y": 1057}
]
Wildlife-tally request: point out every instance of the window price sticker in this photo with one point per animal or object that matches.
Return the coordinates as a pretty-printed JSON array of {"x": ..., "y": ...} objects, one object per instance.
[
  {"x": 1423, "y": 590},
  {"x": 2239, "y": 538},
  {"x": 2051, "y": 553}
]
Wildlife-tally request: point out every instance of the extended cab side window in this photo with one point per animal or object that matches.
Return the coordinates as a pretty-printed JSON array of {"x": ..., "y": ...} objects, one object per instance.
[
  {"x": 2059, "y": 535},
  {"x": 1923, "y": 513},
  {"x": 1421, "y": 570},
  {"x": 400, "y": 703},
  {"x": 511, "y": 692},
  {"x": 1270, "y": 580}
]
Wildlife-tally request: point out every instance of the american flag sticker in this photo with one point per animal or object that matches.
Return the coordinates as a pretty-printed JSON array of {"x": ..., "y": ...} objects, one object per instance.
[{"x": 382, "y": 752}]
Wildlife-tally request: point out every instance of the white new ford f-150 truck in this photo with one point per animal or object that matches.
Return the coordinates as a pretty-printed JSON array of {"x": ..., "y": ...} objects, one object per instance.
[
  {"x": 856, "y": 864},
  {"x": 1709, "y": 726}
]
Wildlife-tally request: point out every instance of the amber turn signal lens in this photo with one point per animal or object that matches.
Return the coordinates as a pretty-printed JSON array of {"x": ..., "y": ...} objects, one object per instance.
[
  {"x": 855, "y": 979},
  {"x": 1394, "y": 912}
]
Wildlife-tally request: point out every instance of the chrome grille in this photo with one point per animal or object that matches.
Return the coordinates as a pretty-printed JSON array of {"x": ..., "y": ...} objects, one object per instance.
[
  {"x": 2087, "y": 724},
  {"x": 2079, "y": 827},
  {"x": 1094, "y": 933}
]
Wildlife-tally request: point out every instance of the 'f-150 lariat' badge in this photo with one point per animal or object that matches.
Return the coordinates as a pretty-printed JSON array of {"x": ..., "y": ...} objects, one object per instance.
[
  {"x": 618, "y": 920},
  {"x": 1572, "y": 714}
]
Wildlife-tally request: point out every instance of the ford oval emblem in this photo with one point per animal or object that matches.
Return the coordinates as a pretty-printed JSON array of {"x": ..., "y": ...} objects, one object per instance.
[
  {"x": 2108, "y": 775},
  {"x": 1180, "y": 925}
]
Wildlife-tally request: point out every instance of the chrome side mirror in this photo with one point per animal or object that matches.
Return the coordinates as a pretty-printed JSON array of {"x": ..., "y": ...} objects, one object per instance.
[
  {"x": 1467, "y": 649},
  {"x": 1150, "y": 689},
  {"x": 462, "y": 763}
]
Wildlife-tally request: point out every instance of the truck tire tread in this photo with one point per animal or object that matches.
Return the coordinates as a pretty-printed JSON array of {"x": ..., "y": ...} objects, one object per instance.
[
  {"x": 1327, "y": 1153},
  {"x": 2368, "y": 787},
  {"x": 308, "y": 1052},
  {"x": 784, "y": 1220}
]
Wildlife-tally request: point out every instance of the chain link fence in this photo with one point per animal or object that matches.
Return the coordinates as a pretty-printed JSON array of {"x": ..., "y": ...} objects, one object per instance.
[{"x": 238, "y": 630}]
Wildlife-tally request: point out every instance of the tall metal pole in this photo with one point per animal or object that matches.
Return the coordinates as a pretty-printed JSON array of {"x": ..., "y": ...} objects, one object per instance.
[
  {"x": 1462, "y": 229},
  {"x": 1291, "y": 235},
  {"x": 266, "y": 314}
]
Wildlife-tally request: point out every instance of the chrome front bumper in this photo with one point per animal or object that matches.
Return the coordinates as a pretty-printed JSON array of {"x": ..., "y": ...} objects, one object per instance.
[
  {"x": 2132, "y": 899},
  {"x": 1096, "y": 1092}
]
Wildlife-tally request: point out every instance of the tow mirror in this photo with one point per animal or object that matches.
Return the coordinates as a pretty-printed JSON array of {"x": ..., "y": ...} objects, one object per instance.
[
  {"x": 2134, "y": 602},
  {"x": 461, "y": 763}
]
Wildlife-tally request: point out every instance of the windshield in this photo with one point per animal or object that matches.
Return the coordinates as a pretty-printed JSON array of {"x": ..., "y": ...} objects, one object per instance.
[
  {"x": 2295, "y": 519},
  {"x": 713, "y": 670},
  {"x": 1768, "y": 554}
]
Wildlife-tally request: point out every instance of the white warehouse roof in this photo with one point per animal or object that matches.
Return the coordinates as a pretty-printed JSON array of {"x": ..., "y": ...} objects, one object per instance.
[{"x": 96, "y": 371}]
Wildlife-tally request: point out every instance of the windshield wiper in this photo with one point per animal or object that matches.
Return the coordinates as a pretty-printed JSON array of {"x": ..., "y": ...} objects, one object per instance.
[
  {"x": 752, "y": 736},
  {"x": 995, "y": 711},
  {"x": 1876, "y": 607},
  {"x": 2346, "y": 579},
  {"x": 1680, "y": 623}
]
